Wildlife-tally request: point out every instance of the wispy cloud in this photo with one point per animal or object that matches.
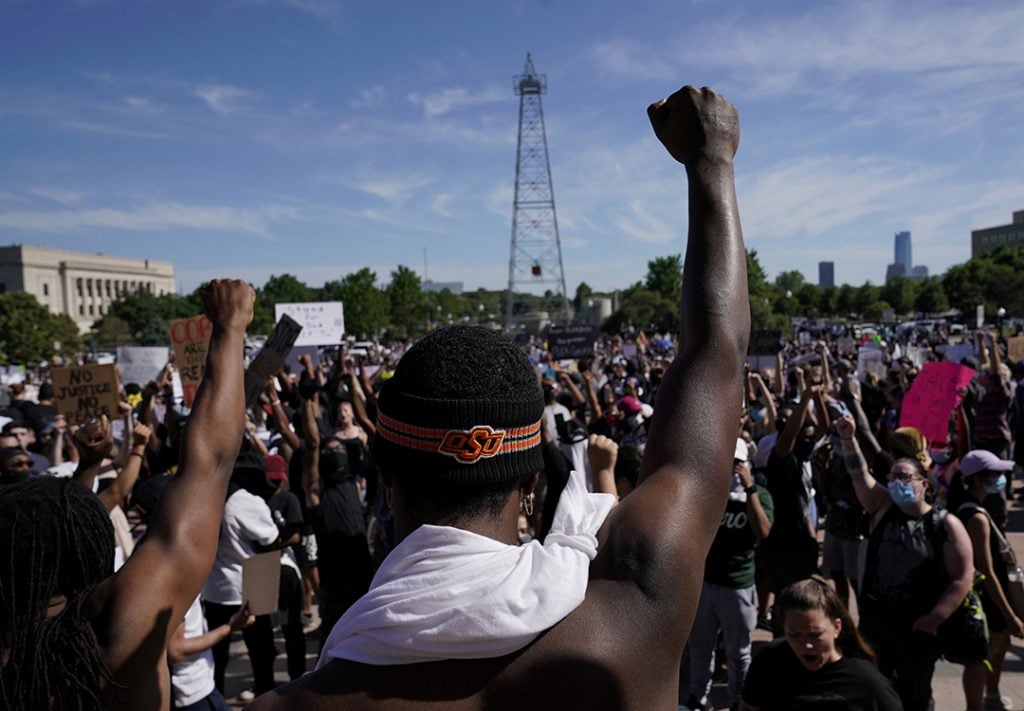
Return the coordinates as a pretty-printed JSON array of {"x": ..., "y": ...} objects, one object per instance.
[
  {"x": 157, "y": 216},
  {"x": 222, "y": 99},
  {"x": 63, "y": 196},
  {"x": 441, "y": 102},
  {"x": 108, "y": 129},
  {"x": 394, "y": 189},
  {"x": 370, "y": 97}
]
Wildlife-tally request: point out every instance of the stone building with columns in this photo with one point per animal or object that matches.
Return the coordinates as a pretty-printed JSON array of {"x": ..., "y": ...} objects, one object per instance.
[{"x": 79, "y": 284}]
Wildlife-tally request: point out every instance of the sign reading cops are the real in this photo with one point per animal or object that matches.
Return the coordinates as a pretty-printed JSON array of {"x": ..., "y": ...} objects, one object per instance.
[{"x": 573, "y": 341}]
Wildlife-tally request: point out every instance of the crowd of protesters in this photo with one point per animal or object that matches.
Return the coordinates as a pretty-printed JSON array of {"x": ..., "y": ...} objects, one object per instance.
[{"x": 326, "y": 478}]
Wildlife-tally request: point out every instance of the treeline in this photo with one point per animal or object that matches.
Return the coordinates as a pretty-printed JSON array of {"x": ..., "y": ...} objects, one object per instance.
[{"x": 403, "y": 309}]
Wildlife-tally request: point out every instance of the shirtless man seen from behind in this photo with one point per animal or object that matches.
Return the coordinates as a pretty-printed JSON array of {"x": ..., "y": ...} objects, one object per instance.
[{"x": 620, "y": 647}]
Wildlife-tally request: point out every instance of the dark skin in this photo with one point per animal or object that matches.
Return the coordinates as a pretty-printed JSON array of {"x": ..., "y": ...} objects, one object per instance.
[
  {"x": 135, "y": 611},
  {"x": 644, "y": 584}
]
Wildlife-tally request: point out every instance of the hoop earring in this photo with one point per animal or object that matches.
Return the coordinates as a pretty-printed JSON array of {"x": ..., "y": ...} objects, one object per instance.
[{"x": 526, "y": 505}]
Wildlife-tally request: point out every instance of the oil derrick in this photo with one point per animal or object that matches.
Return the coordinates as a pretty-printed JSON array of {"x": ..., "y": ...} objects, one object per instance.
[{"x": 536, "y": 258}]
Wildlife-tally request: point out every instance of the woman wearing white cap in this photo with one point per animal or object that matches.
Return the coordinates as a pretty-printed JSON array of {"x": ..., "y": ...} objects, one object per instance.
[{"x": 983, "y": 473}]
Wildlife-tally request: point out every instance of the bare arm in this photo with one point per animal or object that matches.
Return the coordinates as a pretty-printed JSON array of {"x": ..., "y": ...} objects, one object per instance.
[
  {"x": 979, "y": 530},
  {"x": 594, "y": 405},
  {"x": 311, "y": 462},
  {"x": 649, "y": 544},
  {"x": 769, "y": 403},
  {"x": 602, "y": 453},
  {"x": 960, "y": 567},
  {"x": 871, "y": 494},
  {"x": 280, "y": 420},
  {"x": 137, "y": 609},
  {"x": 129, "y": 473},
  {"x": 786, "y": 442},
  {"x": 180, "y": 648},
  {"x": 566, "y": 381},
  {"x": 760, "y": 524}
]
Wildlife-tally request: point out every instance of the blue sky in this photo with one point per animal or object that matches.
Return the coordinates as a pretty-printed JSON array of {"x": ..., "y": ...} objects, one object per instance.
[{"x": 256, "y": 137}]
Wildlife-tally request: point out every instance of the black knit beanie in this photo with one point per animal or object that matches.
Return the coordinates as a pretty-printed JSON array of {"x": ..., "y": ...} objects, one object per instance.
[{"x": 464, "y": 405}]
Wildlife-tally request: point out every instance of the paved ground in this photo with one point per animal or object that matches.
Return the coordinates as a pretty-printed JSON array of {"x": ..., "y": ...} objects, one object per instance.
[{"x": 947, "y": 689}]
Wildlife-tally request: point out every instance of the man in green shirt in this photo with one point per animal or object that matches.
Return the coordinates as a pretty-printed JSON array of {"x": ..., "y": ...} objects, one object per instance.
[{"x": 728, "y": 601}]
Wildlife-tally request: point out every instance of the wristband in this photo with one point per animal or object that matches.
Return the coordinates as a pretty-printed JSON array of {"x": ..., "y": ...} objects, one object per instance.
[
  {"x": 137, "y": 454},
  {"x": 752, "y": 489}
]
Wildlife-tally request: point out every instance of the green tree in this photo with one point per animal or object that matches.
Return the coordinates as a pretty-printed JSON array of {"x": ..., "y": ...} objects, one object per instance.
[
  {"x": 405, "y": 297},
  {"x": 647, "y": 310},
  {"x": 28, "y": 330},
  {"x": 789, "y": 281},
  {"x": 931, "y": 297},
  {"x": 283, "y": 289},
  {"x": 112, "y": 332},
  {"x": 900, "y": 292},
  {"x": 865, "y": 298},
  {"x": 665, "y": 277},
  {"x": 809, "y": 300},
  {"x": 761, "y": 295},
  {"x": 583, "y": 293},
  {"x": 366, "y": 306}
]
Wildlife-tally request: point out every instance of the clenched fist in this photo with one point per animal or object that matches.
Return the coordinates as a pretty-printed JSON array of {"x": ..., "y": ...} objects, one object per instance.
[
  {"x": 695, "y": 124},
  {"x": 228, "y": 303}
]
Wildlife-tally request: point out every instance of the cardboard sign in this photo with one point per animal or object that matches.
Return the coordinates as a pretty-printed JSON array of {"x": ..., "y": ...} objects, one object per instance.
[
  {"x": 85, "y": 391},
  {"x": 261, "y": 578},
  {"x": 322, "y": 322},
  {"x": 1015, "y": 349},
  {"x": 270, "y": 358},
  {"x": 141, "y": 364},
  {"x": 765, "y": 342},
  {"x": 932, "y": 397},
  {"x": 191, "y": 340},
  {"x": 573, "y": 341}
]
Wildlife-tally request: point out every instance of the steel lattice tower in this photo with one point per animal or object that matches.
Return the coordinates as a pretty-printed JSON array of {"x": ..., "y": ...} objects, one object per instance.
[{"x": 536, "y": 257}]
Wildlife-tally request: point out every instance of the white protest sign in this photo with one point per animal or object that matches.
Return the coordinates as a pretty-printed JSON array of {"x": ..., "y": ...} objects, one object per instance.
[
  {"x": 954, "y": 353},
  {"x": 140, "y": 364},
  {"x": 869, "y": 360},
  {"x": 323, "y": 322}
]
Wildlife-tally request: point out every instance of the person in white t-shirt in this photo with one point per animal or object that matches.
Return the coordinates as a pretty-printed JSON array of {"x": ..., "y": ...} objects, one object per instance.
[
  {"x": 248, "y": 528},
  {"x": 188, "y": 653}
]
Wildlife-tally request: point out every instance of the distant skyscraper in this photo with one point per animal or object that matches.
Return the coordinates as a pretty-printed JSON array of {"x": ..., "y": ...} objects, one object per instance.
[
  {"x": 903, "y": 254},
  {"x": 826, "y": 274}
]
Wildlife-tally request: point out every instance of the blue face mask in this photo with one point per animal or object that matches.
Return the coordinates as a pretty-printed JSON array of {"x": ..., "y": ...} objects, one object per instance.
[
  {"x": 996, "y": 486},
  {"x": 902, "y": 493}
]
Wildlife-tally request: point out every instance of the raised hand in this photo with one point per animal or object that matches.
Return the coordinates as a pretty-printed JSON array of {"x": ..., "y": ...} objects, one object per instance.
[
  {"x": 695, "y": 124},
  {"x": 228, "y": 303}
]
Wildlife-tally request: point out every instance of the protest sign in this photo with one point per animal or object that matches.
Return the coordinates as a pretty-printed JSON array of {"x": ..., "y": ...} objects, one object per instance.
[
  {"x": 191, "y": 340},
  {"x": 85, "y": 391},
  {"x": 1015, "y": 349},
  {"x": 765, "y": 342},
  {"x": 846, "y": 345},
  {"x": 261, "y": 579},
  {"x": 139, "y": 364},
  {"x": 761, "y": 363},
  {"x": 954, "y": 353},
  {"x": 629, "y": 350},
  {"x": 573, "y": 341},
  {"x": 932, "y": 397},
  {"x": 270, "y": 358},
  {"x": 322, "y": 322},
  {"x": 869, "y": 360}
]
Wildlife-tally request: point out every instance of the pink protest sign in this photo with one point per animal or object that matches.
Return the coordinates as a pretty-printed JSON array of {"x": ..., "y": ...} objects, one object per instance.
[{"x": 932, "y": 397}]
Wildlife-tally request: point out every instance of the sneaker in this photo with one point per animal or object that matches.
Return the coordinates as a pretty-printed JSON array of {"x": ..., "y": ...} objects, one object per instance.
[
  {"x": 246, "y": 696},
  {"x": 996, "y": 702},
  {"x": 764, "y": 622},
  {"x": 693, "y": 704}
]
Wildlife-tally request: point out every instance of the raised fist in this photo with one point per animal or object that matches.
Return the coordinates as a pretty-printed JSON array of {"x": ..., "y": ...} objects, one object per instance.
[
  {"x": 695, "y": 124},
  {"x": 602, "y": 452},
  {"x": 228, "y": 303},
  {"x": 95, "y": 440},
  {"x": 845, "y": 427}
]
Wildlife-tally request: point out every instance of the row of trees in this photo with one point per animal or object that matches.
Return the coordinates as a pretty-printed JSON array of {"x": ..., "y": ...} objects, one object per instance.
[
  {"x": 994, "y": 280},
  {"x": 402, "y": 309}
]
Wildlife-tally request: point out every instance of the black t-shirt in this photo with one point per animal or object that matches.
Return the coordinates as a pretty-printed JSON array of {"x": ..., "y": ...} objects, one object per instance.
[
  {"x": 778, "y": 680},
  {"x": 791, "y": 548}
]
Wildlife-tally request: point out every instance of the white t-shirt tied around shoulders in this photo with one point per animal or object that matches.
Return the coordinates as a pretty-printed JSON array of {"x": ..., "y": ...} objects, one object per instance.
[{"x": 446, "y": 593}]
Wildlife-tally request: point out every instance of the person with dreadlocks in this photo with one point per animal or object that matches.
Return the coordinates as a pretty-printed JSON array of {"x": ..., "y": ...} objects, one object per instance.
[
  {"x": 76, "y": 636},
  {"x": 460, "y": 615}
]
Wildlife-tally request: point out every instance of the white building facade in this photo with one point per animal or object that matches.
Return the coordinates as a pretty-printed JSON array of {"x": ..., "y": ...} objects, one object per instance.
[{"x": 80, "y": 284}]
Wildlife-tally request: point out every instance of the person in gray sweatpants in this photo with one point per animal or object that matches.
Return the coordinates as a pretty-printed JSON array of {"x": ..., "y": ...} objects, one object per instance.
[{"x": 728, "y": 601}]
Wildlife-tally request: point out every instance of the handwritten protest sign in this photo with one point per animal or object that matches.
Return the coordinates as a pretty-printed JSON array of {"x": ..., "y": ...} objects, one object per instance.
[
  {"x": 869, "y": 360},
  {"x": 932, "y": 397},
  {"x": 191, "y": 340},
  {"x": 270, "y": 358},
  {"x": 85, "y": 391},
  {"x": 323, "y": 322},
  {"x": 572, "y": 341},
  {"x": 140, "y": 364},
  {"x": 1015, "y": 348}
]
